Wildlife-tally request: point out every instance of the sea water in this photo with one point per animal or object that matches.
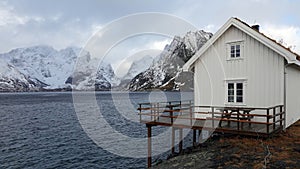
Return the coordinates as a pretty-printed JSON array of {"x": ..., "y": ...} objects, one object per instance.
[{"x": 42, "y": 130}]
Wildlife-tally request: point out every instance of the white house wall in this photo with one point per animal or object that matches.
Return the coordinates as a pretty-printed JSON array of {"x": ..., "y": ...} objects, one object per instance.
[
  {"x": 293, "y": 95},
  {"x": 261, "y": 68}
]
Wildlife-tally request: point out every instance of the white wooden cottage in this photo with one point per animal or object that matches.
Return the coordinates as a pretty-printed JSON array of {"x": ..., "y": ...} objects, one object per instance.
[{"x": 239, "y": 66}]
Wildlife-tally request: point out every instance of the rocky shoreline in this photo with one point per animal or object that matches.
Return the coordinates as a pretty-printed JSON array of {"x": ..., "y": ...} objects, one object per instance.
[{"x": 229, "y": 151}]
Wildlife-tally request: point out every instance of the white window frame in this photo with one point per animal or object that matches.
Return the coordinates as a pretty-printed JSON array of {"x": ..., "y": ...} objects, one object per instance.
[
  {"x": 235, "y": 82},
  {"x": 235, "y": 44}
]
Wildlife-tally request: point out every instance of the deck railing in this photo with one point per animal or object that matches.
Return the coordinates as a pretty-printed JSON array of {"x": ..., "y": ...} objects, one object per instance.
[{"x": 185, "y": 113}]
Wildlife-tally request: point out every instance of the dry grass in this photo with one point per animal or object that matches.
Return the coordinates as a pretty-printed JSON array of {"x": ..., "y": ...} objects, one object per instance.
[{"x": 281, "y": 151}]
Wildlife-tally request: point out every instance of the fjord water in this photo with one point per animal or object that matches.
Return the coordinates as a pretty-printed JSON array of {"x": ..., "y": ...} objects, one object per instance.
[{"x": 41, "y": 130}]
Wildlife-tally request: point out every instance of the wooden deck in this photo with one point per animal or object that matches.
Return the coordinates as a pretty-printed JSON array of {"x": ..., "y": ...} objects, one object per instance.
[
  {"x": 250, "y": 121},
  {"x": 182, "y": 114}
]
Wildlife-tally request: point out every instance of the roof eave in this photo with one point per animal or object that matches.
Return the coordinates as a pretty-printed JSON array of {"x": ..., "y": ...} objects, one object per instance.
[
  {"x": 289, "y": 56},
  {"x": 191, "y": 61}
]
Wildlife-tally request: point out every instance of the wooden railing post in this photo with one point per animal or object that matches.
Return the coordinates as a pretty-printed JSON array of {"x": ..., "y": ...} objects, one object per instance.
[
  {"x": 140, "y": 107},
  {"x": 151, "y": 110},
  {"x": 171, "y": 111},
  {"x": 274, "y": 118},
  {"x": 191, "y": 113},
  {"x": 180, "y": 106},
  {"x": 213, "y": 117},
  {"x": 157, "y": 112},
  {"x": 268, "y": 120},
  {"x": 281, "y": 108},
  {"x": 238, "y": 119}
]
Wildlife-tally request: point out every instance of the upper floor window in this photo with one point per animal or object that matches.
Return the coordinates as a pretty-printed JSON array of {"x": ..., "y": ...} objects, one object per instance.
[{"x": 235, "y": 50}]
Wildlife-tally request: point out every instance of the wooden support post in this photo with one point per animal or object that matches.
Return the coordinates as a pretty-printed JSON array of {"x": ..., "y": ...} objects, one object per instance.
[
  {"x": 194, "y": 137},
  {"x": 274, "y": 118},
  {"x": 180, "y": 141},
  {"x": 199, "y": 136},
  {"x": 268, "y": 120},
  {"x": 173, "y": 141},
  {"x": 149, "y": 146}
]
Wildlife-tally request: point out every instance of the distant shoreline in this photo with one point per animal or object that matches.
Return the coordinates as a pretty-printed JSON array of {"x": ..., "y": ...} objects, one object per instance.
[{"x": 104, "y": 91}]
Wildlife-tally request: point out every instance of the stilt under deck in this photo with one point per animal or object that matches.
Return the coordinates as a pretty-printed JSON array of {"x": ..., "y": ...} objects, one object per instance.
[{"x": 249, "y": 121}]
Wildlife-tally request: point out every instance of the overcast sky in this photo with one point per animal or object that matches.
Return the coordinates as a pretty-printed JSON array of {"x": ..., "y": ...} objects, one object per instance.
[{"x": 63, "y": 23}]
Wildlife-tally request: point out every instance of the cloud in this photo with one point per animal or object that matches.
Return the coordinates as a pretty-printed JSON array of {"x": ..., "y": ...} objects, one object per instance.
[
  {"x": 64, "y": 23},
  {"x": 121, "y": 67},
  {"x": 158, "y": 45},
  {"x": 8, "y": 15},
  {"x": 290, "y": 35},
  {"x": 132, "y": 49},
  {"x": 210, "y": 28}
]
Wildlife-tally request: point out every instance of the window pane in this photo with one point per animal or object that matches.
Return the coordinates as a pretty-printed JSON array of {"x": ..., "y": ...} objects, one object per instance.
[
  {"x": 230, "y": 99},
  {"x": 239, "y": 92},
  {"x": 238, "y": 50},
  {"x": 239, "y": 86},
  {"x": 232, "y": 48},
  {"x": 232, "y": 51},
  {"x": 239, "y": 99},
  {"x": 230, "y": 92},
  {"x": 230, "y": 86}
]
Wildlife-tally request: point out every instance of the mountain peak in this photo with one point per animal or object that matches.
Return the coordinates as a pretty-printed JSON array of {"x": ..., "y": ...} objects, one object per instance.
[
  {"x": 170, "y": 62},
  {"x": 138, "y": 66}
]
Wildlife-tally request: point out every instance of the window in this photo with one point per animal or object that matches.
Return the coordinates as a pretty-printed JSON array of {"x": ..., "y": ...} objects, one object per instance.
[
  {"x": 235, "y": 50},
  {"x": 235, "y": 92}
]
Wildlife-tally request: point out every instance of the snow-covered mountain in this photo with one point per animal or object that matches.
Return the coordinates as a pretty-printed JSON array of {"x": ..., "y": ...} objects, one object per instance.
[
  {"x": 42, "y": 67},
  {"x": 13, "y": 80},
  {"x": 165, "y": 73},
  {"x": 88, "y": 76},
  {"x": 43, "y": 64},
  {"x": 138, "y": 66}
]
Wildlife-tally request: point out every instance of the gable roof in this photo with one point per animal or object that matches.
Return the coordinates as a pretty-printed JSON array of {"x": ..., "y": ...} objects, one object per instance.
[{"x": 291, "y": 57}]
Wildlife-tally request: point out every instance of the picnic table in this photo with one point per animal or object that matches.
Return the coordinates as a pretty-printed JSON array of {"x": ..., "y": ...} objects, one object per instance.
[{"x": 238, "y": 114}]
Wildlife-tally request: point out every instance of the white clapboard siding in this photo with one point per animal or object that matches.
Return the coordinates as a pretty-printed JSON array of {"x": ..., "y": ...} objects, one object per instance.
[
  {"x": 292, "y": 95},
  {"x": 260, "y": 68}
]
